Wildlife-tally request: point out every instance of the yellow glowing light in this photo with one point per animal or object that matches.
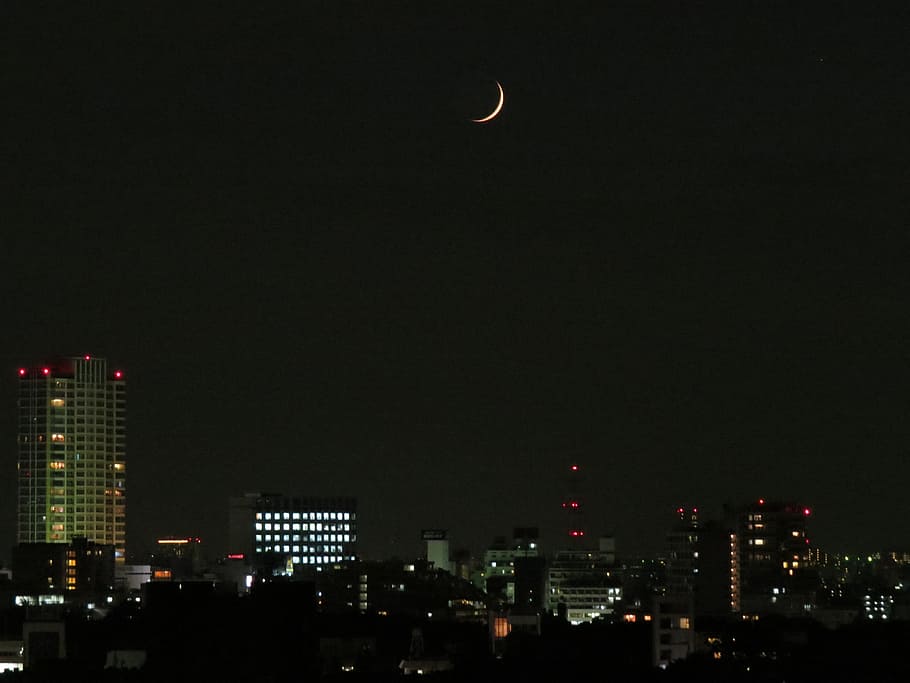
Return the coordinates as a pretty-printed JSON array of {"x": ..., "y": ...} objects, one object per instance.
[{"x": 493, "y": 114}]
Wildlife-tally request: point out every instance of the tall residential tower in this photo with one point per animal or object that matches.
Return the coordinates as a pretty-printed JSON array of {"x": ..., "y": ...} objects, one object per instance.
[{"x": 72, "y": 453}]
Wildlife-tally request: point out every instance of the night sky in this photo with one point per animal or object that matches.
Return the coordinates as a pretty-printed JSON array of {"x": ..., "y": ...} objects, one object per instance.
[{"x": 679, "y": 257}]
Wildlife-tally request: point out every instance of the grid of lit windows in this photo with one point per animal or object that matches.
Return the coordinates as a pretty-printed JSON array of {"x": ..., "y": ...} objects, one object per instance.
[{"x": 306, "y": 531}]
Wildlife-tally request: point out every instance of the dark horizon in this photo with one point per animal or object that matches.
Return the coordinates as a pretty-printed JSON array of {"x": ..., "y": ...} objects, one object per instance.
[{"x": 677, "y": 257}]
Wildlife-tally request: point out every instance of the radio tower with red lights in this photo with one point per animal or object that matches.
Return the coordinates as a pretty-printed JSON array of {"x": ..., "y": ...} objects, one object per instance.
[{"x": 573, "y": 504}]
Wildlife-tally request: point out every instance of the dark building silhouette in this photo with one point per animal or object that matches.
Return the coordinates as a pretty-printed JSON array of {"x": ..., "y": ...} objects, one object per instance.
[{"x": 76, "y": 570}]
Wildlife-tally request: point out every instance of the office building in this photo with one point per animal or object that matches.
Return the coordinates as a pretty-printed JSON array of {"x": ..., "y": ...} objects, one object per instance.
[
  {"x": 583, "y": 583},
  {"x": 281, "y": 533},
  {"x": 72, "y": 454}
]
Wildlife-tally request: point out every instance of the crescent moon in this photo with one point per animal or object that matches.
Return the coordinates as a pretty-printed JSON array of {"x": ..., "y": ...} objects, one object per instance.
[{"x": 493, "y": 114}]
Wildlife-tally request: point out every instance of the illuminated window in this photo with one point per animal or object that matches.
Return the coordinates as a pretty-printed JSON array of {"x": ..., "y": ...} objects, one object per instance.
[
  {"x": 58, "y": 437},
  {"x": 684, "y": 622},
  {"x": 759, "y": 541},
  {"x": 57, "y": 465},
  {"x": 295, "y": 515},
  {"x": 57, "y": 402}
]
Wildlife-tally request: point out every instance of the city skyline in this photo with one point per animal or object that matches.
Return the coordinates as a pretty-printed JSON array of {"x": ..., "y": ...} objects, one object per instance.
[{"x": 677, "y": 257}]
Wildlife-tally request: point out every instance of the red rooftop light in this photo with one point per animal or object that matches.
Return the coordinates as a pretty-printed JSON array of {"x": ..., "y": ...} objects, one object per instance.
[
  {"x": 22, "y": 372},
  {"x": 807, "y": 511},
  {"x": 574, "y": 468},
  {"x": 118, "y": 374},
  {"x": 761, "y": 501},
  {"x": 46, "y": 371},
  {"x": 88, "y": 358}
]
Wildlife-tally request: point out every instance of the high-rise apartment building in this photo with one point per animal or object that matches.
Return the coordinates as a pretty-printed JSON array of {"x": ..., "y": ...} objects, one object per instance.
[
  {"x": 72, "y": 454},
  {"x": 771, "y": 569}
]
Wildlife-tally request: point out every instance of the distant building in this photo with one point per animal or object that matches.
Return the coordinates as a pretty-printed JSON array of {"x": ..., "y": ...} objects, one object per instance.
[
  {"x": 583, "y": 583},
  {"x": 672, "y": 628},
  {"x": 72, "y": 454},
  {"x": 437, "y": 541},
  {"x": 178, "y": 558},
  {"x": 279, "y": 533},
  {"x": 78, "y": 569},
  {"x": 504, "y": 576},
  {"x": 771, "y": 570},
  {"x": 698, "y": 563}
]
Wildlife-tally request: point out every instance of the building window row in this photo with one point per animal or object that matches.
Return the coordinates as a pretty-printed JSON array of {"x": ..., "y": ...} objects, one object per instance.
[
  {"x": 332, "y": 538},
  {"x": 321, "y": 516},
  {"x": 317, "y": 526}
]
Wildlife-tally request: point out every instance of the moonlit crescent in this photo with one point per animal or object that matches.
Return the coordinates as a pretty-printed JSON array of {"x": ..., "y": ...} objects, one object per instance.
[{"x": 493, "y": 114}]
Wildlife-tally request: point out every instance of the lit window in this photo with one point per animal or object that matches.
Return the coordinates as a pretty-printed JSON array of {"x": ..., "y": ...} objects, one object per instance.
[
  {"x": 295, "y": 515},
  {"x": 286, "y": 549},
  {"x": 57, "y": 402},
  {"x": 267, "y": 515},
  {"x": 287, "y": 527},
  {"x": 759, "y": 541},
  {"x": 258, "y": 515},
  {"x": 268, "y": 527},
  {"x": 295, "y": 527},
  {"x": 286, "y": 515},
  {"x": 58, "y": 437},
  {"x": 258, "y": 537}
]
